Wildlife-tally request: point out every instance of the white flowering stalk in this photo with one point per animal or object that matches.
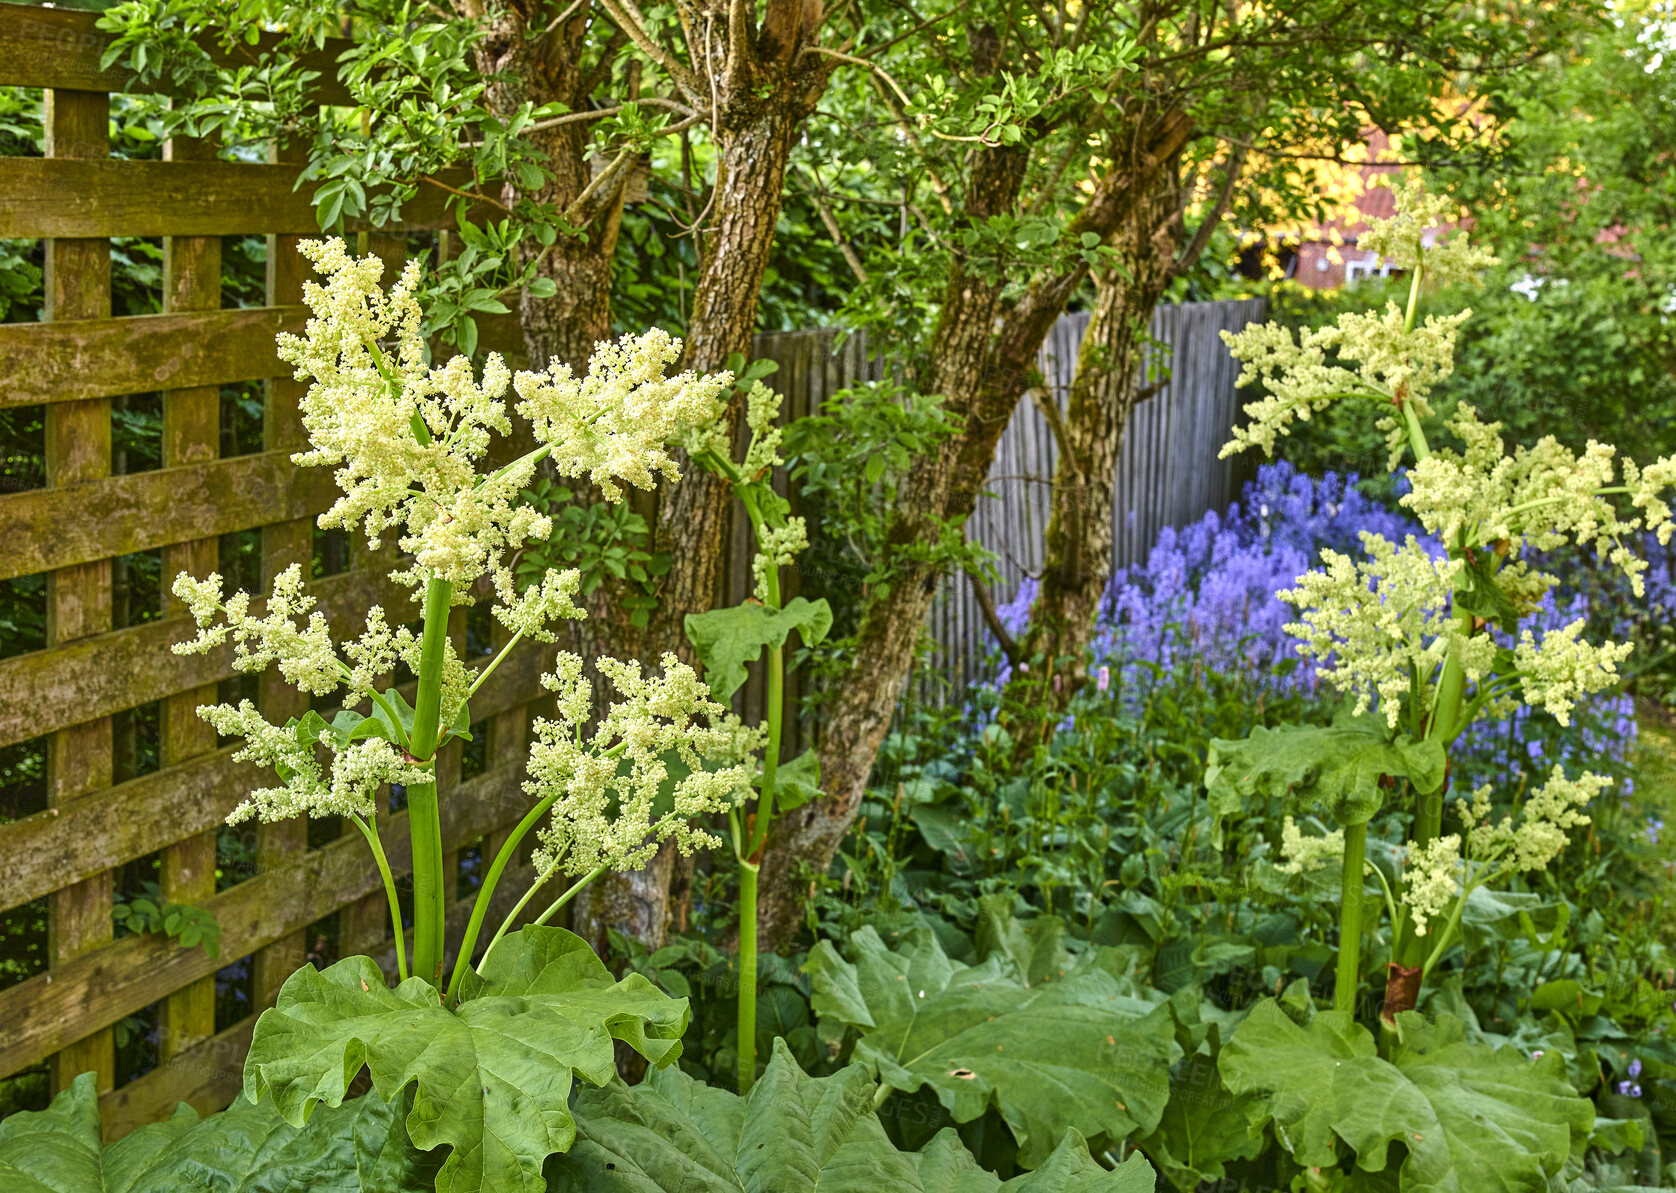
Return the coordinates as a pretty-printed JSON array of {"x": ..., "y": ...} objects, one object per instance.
[
  {"x": 1301, "y": 854},
  {"x": 759, "y": 628},
  {"x": 599, "y": 789},
  {"x": 1441, "y": 874},
  {"x": 1414, "y": 627},
  {"x": 407, "y": 441}
]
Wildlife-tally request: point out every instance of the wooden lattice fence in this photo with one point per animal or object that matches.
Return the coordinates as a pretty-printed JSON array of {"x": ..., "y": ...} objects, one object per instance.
[{"x": 87, "y": 520}]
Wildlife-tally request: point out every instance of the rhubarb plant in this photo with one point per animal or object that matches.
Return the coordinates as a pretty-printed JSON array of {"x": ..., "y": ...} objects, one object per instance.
[
  {"x": 1425, "y": 636},
  {"x": 489, "y": 1047},
  {"x": 727, "y": 639}
]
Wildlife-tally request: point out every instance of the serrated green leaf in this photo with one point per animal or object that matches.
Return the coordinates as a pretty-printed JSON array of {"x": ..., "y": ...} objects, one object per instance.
[
  {"x": 791, "y": 1134},
  {"x": 727, "y": 639},
  {"x": 491, "y": 1079},
  {"x": 1203, "y": 1126},
  {"x": 1082, "y": 1050},
  {"x": 359, "y": 1147},
  {"x": 1470, "y": 1118},
  {"x": 1339, "y": 766},
  {"x": 797, "y": 782}
]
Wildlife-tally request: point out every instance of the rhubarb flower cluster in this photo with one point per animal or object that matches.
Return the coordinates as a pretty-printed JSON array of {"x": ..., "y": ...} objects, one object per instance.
[{"x": 662, "y": 731}]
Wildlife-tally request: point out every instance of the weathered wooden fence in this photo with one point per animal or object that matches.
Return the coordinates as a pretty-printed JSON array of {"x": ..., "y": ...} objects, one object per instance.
[
  {"x": 83, "y": 528},
  {"x": 1168, "y": 472},
  {"x": 90, "y": 675}
]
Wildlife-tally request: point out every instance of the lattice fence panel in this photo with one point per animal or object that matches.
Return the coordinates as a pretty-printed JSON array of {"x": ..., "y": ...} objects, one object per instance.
[{"x": 83, "y": 689}]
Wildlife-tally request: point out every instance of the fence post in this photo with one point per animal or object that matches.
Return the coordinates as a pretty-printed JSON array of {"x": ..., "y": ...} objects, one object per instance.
[
  {"x": 191, "y": 435},
  {"x": 283, "y": 544},
  {"x": 78, "y": 449}
]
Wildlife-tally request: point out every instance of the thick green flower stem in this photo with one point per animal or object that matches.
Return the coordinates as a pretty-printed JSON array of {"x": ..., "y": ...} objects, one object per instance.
[
  {"x": 1348, "y": 976},
  {"x": 749, "y": 866},
  {"x": 486, "y": 892},
  {"x": 424, "y": 816},
  {"x": 370, "y": 832},
  {"x": 750, "y": 861},
  {"x": 747, "y": 1023}
]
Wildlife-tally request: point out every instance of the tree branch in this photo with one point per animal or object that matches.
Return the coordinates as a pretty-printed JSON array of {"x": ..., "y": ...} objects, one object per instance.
[
  {"x": 867, "y": 62},
  {"x": 627, "y": 18},
  {"x": 601, "y": 192},
  {"x": 1056, "y": 423},
  {"x": 986, "y": 605},
  {"x": 1025, "y": 326},
  {"x": 1189, "y": 256}
]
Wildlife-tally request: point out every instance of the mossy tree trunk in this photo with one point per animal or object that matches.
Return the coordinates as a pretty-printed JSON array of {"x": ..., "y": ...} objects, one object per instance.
[
  {"x": 765, "y": 88},
  {"x": 982, "y": 361},
  {"x": 1112, "y": 374}
]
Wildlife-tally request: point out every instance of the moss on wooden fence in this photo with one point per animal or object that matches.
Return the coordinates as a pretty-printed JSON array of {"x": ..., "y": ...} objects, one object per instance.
[{"x": 91, "y": 673}]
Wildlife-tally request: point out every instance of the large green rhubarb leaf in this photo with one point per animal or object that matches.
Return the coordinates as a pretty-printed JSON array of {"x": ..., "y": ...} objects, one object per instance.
[
  {"x": 1204, "y": 1126},
  {"x": 1471, "y": 1119},
  {"x": 727, "y": 639},
  {"x": 791, "y": 1134},
  {"x": 1339, "y": 766},
  {"x": 1075, "y": 1049},
  {"x": 491, "y": 1079},
  {"x": 359, "y": 1147}
]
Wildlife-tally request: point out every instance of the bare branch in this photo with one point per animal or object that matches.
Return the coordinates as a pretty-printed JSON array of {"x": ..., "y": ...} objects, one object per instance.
[
  {"x": 652, "y": 101},
  {"x": 627, "y": 18},
  {"x": 603, "y": 189},
  {"x": 986, "y": 605},
  {"x": 474, "y": 196},
  {"x": 1189, "y": 256},
  {"x": 569, "y": 11},
  {"x": 867, "y": 62}
]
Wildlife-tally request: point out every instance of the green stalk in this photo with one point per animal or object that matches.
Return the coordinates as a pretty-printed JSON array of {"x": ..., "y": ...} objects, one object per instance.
[
  {"x": 1444, "y": 937},
  {"x": 518, "y": 909},
  {"x": 747, "y": 1024},
  {"x": 771, "y": 759},
  {"x": 1350, "y": 918},
  {"x": 486, "y": 892},
  {"x": 370, "y": 832},
  {"x": 1414, "y": 295},
  {"x": 556, "y": 904},
  {"x": 424, "y": 816},
  {"x": 750, "y": 862}
]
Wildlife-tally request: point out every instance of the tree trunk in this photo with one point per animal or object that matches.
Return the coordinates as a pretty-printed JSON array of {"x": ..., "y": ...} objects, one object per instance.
[
  {"x": 553, "y": 66},
  {"x": 761, "y": 111},
  {"x": 694, "y": 515},
  {"x": 981, "y": 371},
  {"x": 1111, "y": 369}
]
